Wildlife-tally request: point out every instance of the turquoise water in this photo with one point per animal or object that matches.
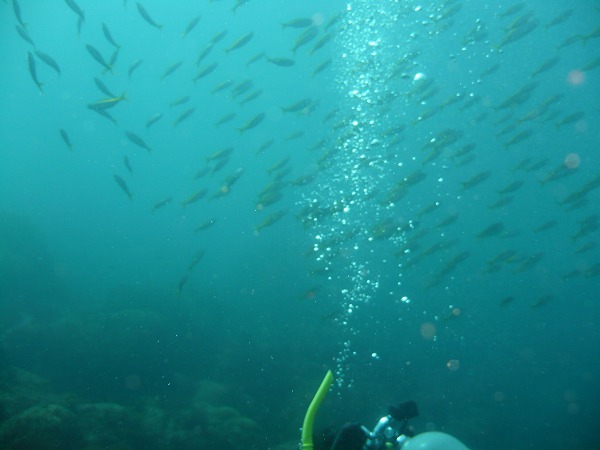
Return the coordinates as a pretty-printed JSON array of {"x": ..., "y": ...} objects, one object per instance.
[{"x": 420, "y": 216}]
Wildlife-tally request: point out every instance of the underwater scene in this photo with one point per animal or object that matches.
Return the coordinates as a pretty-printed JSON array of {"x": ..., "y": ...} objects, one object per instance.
[{"x": 205, "y": 205}]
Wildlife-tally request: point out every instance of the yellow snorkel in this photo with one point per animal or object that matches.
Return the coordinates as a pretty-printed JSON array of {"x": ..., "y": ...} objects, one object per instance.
[{"x": 309, "y": 418}]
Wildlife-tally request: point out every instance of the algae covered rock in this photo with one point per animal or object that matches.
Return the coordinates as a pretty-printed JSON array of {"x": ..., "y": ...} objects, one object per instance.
[
  {"x": 108, "y": 425},
  {"x": 20, "y": 389},
  {"x": 226, "y": 427},
  {"x": 41, "y": 427}
]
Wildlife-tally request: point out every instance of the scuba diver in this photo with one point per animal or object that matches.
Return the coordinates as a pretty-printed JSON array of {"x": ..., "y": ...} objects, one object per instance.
[{"x": 391, "y": 432}]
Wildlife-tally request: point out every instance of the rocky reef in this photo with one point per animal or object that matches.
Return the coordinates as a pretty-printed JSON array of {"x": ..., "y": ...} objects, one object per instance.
[{"x": 34, "y": 417}]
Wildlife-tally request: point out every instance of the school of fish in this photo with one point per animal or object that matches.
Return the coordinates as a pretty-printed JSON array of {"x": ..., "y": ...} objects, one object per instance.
[{"x": 448, "y": 128}]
